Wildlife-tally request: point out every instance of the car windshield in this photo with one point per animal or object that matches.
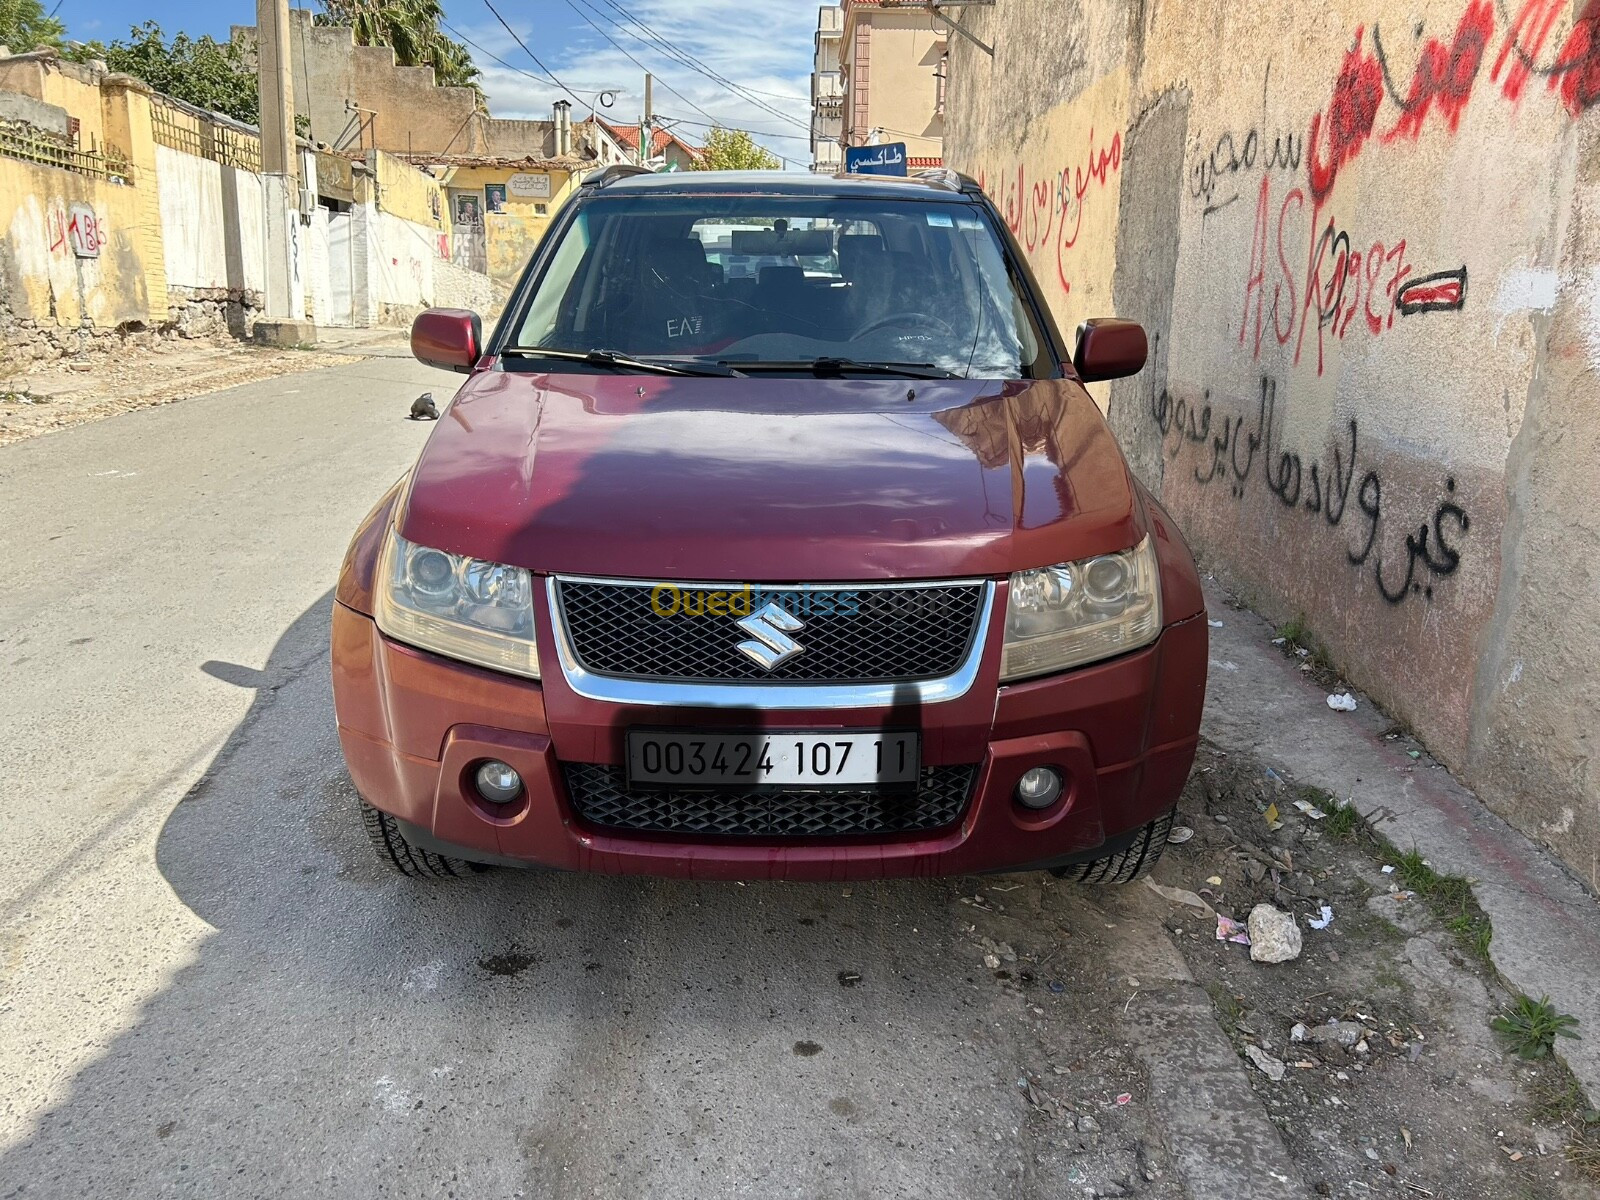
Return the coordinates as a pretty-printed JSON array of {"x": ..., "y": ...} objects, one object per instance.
[{"x": 776, "y": 283}]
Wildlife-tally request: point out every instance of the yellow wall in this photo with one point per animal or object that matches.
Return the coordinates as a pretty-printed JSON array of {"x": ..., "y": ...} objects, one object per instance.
[
  {"x": 46, "y": 210},
  {"x": 902, "y": 93},
  {"x": 45, "y": 280},
  {"x": 64, "y": 84},
  {"x": 511, "y": 236},
  {"x": 408, "y": 191}
]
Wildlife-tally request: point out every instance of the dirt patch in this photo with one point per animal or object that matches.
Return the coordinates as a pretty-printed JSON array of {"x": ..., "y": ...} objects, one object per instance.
[
  {"x": 74, "y": 393},
  {"x": 1372, "y": 1051}
]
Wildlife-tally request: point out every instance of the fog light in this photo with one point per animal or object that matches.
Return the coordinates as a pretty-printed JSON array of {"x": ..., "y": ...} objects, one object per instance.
[
  {"x": 498, "y": 782},
  {"x": 1039, "y": 788}
]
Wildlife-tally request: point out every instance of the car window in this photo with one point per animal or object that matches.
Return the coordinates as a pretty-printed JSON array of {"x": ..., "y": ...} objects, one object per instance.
[{"x": 747, "y": 280}]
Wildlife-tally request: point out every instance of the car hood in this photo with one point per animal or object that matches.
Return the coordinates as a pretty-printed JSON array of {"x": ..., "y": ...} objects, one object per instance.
[{"x": 770, "y": 479}]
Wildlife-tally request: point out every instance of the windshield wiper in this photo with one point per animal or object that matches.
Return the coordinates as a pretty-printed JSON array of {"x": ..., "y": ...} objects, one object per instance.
[
  {"x": 837, "y": 368},
  {"x": 622, "y": 362}
]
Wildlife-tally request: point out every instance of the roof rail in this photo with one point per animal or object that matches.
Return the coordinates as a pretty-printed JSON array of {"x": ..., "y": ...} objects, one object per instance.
[
  {"x": 612, "y": 173},
  {"x": 954, "y": 180}
]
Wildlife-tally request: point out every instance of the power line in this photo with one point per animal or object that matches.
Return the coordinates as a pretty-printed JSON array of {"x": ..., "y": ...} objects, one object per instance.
[
  {"x": 554, "y": 78},
  {"x": 497, "y": 58},
  {"x": 682, "y": 56},
  {"x": 665, "y": 85},
  {"x": 734, "y": 128}
]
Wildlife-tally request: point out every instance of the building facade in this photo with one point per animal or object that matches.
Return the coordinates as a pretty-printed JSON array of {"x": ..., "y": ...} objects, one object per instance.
[
  {"x": 879, "y": 75},
  {"x": 827, "y": 93}
]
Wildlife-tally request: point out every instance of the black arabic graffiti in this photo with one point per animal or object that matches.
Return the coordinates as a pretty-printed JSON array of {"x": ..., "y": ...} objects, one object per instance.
[
  {"x": 1231, "y": 155},
  {"x": 1229, "y": 448}
]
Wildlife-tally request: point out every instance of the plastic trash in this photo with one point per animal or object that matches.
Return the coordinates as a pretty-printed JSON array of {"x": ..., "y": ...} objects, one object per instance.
[
  {"x": 1178, "y": 896},
  {"x": 1271, "y": 817},
  {"x": 1272, "y": 1068},
  {"x": 1179, "y": 835},
  {"x": 1342, "y": 702},
  {"x": 1215, "y": 624},
  {"x": 1321, "y": 922},
  {"x": 1310, "y": 809}
]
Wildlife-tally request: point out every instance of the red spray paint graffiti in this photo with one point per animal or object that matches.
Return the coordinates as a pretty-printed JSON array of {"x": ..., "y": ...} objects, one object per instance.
[
  {"x": 1049, "y": 211},
  {"x": 1340, "y": 288},
  {"x": 1444, "y": 77}
]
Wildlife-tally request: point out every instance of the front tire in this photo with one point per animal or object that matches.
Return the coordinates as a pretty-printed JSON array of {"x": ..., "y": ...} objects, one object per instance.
[
  {"x": 400, "y": 855},
  {"x": 1132, "y": 862}
]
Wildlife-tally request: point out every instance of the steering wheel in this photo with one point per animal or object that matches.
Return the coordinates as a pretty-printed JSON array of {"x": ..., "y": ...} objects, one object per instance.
[{"x": 917, "y": 323}]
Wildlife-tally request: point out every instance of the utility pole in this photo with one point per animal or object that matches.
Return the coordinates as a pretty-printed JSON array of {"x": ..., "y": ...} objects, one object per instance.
[
  {"x": 647, "y": 126},
  {"x": 285, "y": 322}
]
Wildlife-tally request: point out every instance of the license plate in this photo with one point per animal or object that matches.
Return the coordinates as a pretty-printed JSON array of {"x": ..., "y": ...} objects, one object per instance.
[{"x": 751, "y": 761}]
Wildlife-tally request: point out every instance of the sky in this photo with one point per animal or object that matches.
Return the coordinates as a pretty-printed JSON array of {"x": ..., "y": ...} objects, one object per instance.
[{"x": 764, "y": 46}]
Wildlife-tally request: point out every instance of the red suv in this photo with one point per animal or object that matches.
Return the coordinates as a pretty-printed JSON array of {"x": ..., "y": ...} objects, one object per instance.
[{"x": 833, "y": 571}]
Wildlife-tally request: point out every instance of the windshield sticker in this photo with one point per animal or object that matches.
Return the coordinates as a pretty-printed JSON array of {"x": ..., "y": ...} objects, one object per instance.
[{"x": 941, "y": 221}]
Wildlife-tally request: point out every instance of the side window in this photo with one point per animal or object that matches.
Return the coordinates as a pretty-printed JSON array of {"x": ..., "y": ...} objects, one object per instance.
[{"x": 560, "y": 280}]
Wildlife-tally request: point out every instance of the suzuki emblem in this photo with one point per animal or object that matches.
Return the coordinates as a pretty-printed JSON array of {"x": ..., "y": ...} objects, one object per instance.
[{"x": 769, "y": 627}]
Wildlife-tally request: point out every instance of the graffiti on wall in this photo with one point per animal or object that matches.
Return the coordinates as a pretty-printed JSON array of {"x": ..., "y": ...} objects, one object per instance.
[
  {"x": 75, "y": 230},
  {"x": 1446, "y": 75},
  {"x": 1309, "y": 279},
  {"x": 1046, "y": 213},
  {"x": 1232, "y": 155},
  {"x": 1237, "y": 453}
]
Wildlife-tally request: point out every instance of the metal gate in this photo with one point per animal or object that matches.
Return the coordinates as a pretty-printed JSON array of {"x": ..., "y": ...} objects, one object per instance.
[{"x": 341, "y": 269}]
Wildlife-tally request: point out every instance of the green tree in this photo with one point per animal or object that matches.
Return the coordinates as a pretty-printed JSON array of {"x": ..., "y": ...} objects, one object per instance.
[
  {"x": 24, "y": 26},
  {"x": 734, "y": 150},
  {"x": 411, "y": 29},
  {"x": 203, "y": 71}
]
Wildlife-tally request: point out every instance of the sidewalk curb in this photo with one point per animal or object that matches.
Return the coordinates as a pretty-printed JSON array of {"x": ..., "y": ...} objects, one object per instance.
[
  {"x": 1216, "y": 1131},
  {"x": 1546, "y": 924}
]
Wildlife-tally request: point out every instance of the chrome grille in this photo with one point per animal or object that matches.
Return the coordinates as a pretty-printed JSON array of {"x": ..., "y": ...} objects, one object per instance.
[
  {"x": 600, "y": 797},
  {"x": 852, "y": 634}
]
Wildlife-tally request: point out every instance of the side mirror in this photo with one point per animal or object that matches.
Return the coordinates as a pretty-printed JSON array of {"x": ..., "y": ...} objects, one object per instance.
[
  {"x": 1109, "y": 349},
  {"x": 448, "y": 338}
]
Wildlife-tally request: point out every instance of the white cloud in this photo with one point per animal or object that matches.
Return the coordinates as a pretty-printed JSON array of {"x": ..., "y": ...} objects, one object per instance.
[{"x": 765, "y": 48}]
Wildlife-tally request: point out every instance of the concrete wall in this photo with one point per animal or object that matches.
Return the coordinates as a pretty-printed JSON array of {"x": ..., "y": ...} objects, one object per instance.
[
  {"x": 173, "y": 243},
  {"x": 1366, "y": 247},
  {"x": 213, "y": 236}
]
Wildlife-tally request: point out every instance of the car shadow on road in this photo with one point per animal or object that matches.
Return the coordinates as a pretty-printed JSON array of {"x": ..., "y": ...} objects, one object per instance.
[{"x": 343, "y": 1031}]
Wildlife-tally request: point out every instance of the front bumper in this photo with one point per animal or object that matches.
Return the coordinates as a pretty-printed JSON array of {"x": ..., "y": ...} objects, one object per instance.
[{"x": 1124, "y": 732}]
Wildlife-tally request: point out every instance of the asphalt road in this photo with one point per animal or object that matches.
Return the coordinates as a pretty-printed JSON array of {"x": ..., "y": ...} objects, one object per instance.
[{"x": 209, "y": 988}]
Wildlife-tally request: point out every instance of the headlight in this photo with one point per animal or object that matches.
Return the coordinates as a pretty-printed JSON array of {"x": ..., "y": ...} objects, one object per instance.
[
  {"x": 479, "y": 612},
  {"x": 1079, "y": 612}
]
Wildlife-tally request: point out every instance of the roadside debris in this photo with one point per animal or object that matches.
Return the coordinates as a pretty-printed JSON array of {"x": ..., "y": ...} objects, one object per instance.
[
  {"x": 1323, "y": 921},
  {"x": 1215, "y": 624},
  {"x": 1342, "y": 702},
  {"x": 423, "y": 408},
  {"x": 1271, "y": 817},
  {"x": 1274, "y": 936},
  {"x": 1178, "y": 895},
  {"x": 1179, "y": 835},
  {"x": 1229, "y": 930},
  {"x": 1272, "y": 1068},
  {"x": 1310, "y": 809}
]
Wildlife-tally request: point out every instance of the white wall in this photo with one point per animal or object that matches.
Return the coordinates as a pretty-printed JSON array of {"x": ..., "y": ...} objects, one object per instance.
[{"x": 212, "y": 223}]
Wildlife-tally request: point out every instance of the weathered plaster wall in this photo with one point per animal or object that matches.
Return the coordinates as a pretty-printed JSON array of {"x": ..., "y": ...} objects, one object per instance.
[{"x": 1366, "y": 248}]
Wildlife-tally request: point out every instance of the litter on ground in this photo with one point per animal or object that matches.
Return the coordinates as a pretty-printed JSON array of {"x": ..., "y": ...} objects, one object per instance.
[
  {"x": 1229, "y": 930},
  {"x": 1323, "y": 921},
  {"x": 1342, "y": 702}
]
